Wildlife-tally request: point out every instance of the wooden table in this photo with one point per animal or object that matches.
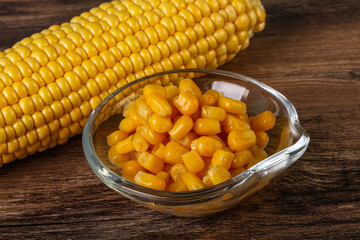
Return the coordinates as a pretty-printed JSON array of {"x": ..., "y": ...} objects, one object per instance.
[{"x": 309, "y": 51}]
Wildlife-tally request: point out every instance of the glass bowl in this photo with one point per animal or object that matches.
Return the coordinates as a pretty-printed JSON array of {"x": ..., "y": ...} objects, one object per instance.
[{"x": 288, "y": 142}]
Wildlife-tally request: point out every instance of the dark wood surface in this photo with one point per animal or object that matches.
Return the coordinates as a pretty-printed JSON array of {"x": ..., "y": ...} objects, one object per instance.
[{"x": 309, "y": 51}]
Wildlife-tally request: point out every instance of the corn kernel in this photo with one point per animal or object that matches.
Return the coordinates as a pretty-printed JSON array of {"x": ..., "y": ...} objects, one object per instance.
[
  {"x": 222, "y": 158},
  {"x": 131, "y": 168},
  {"x": 149, "y": 180},
  {"x": 125, "y": 146},
  {"x": 262, "y": 139},
  {"x": 154, "y": 88},
  {"x": 213, "y": 112},
  {"x": 191, "y": 181},
  {"x": 233, "y": 123},
  {"x": 196, "y": 115},
  {"x": 173, "y": 152},
  {"x": 240, "y": 140},
  {"x": 135, "y": 117},
  {"x": 159, "y": 104},
  {"x": 188, "y": 84},
  {"x": 158, "y": 150},
  {"x": 207, "y": 100},
  {"x": 117, "y": 158},
  {"x": 263, "y": 121},
  {"x": 178, "y": 186},
  {"x": 231, "y": 105},
  {"x": 236, "y": 171},
  {"x": 163, "y": 175},
  {"x": 218, "y": 174},
  {"x": 177, "y": 170},
  {"x": 242, "y": 158},
  {"x": 187, "y": 139},
  {"x": 259, "y": 154},
  {"x": 207, "y": 181},
  {"x": 207, "y": 126},
  {"x": 151, "y": 136},
  {"x": 150, "y": 162},
  {"x": 186, "y": 102},
  {"x": 171, "y": 91},
  {"x": 139, "y": 142},
  {"x": 116, "y": 137},
  {"x": 193, "y": 161},
  {"x": 9, "y": 115},
  {"x": 207, "y": 146},
  {"x": 142, "y": 109},
  {"x": 181, "y": 127},
  {"x": 127, "y": 125},
  {"x": 160, "y": 124}
]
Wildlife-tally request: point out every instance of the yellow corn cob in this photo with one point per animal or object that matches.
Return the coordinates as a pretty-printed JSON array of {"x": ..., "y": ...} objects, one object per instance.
[{"x": 51, "y": 81}]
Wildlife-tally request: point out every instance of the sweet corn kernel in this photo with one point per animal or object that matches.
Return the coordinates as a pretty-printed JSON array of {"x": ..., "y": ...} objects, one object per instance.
[
  {"x": 158, "y": 150},
  {"x": 173, "y": 152},
  {"x": 259, "y": 154},
  {"x": 131, "y": 168},
  {"x": 207, "y": 146},
  {"x": 263, "y": 121},
  {"x": 159, "y": 104},
  {"x": 207, "y": 126},
  {"x": 143, "y": 109},
  {"x": 249, "y": 165},
  {"x": 186, "y": 102},
  {"x": 218, "y": 174},
  {"x": 163, "y": 175},
  {"x": 236, "y": 171},
  {"x": 193, "y": 161},
  {"x": 171, "y": 91},
  {"x": 207, "y": 181},
  {"x": 242, "y": 158},
  {"x": 177, "y": 170},
  {"x": 150, "y": 162},
  {"x": 181, "y": 127},
  {"x": 191, "y": 181},
  {"x": 127, "y": 125},
  {"x": 151, "y": 136},
  {"x": 135, "y": 118},
  {"x": 214, "y": 93},
  {"x": 222, "y": 158},
  {"x": 207, "y": 100},
  {"x": 187, "y": 139},
  {"x": 243, "y": 117},
  {"x": 178, "y": 186},
  {"x": 188, "y": 84},
  {"x": 116, "y": 137},
  {"x": 117, "y": 158},
  {"x": 231, "y": 105},
  {"x": 149, "y": 180},
  {"x": 233, "y": 123},
  {"x": 262, "y": 139},
  {"x": 160, "y": 124},
  {"x": 154, "y": 88},
  {"x": 139, "y": 142},
  {"x": 197, "y": 114},
  {"x": 125, "y": 146},
  {"x": 241, "y": 140}
]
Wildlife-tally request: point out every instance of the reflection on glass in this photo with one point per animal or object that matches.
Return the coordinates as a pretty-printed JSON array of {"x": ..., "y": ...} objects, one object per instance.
[{"x": 230, "y": 90}]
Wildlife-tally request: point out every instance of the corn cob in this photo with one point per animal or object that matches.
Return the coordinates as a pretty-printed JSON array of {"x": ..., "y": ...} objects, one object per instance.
[{"x": 50, "y": 82}]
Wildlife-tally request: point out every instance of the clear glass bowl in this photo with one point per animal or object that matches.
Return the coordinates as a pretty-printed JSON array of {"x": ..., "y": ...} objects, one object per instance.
[{"x": 288, "y": 142}]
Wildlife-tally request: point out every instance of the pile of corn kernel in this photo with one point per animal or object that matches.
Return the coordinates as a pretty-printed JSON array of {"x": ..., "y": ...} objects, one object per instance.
[{"x": 180, "y": 139}]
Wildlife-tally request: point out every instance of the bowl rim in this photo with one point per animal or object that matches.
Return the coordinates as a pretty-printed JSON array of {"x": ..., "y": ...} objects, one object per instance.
[{"x": 121, "y": 184}]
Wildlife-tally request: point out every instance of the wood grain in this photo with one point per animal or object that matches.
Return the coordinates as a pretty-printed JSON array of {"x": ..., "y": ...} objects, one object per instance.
[{"x": 309, "y": 51}]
